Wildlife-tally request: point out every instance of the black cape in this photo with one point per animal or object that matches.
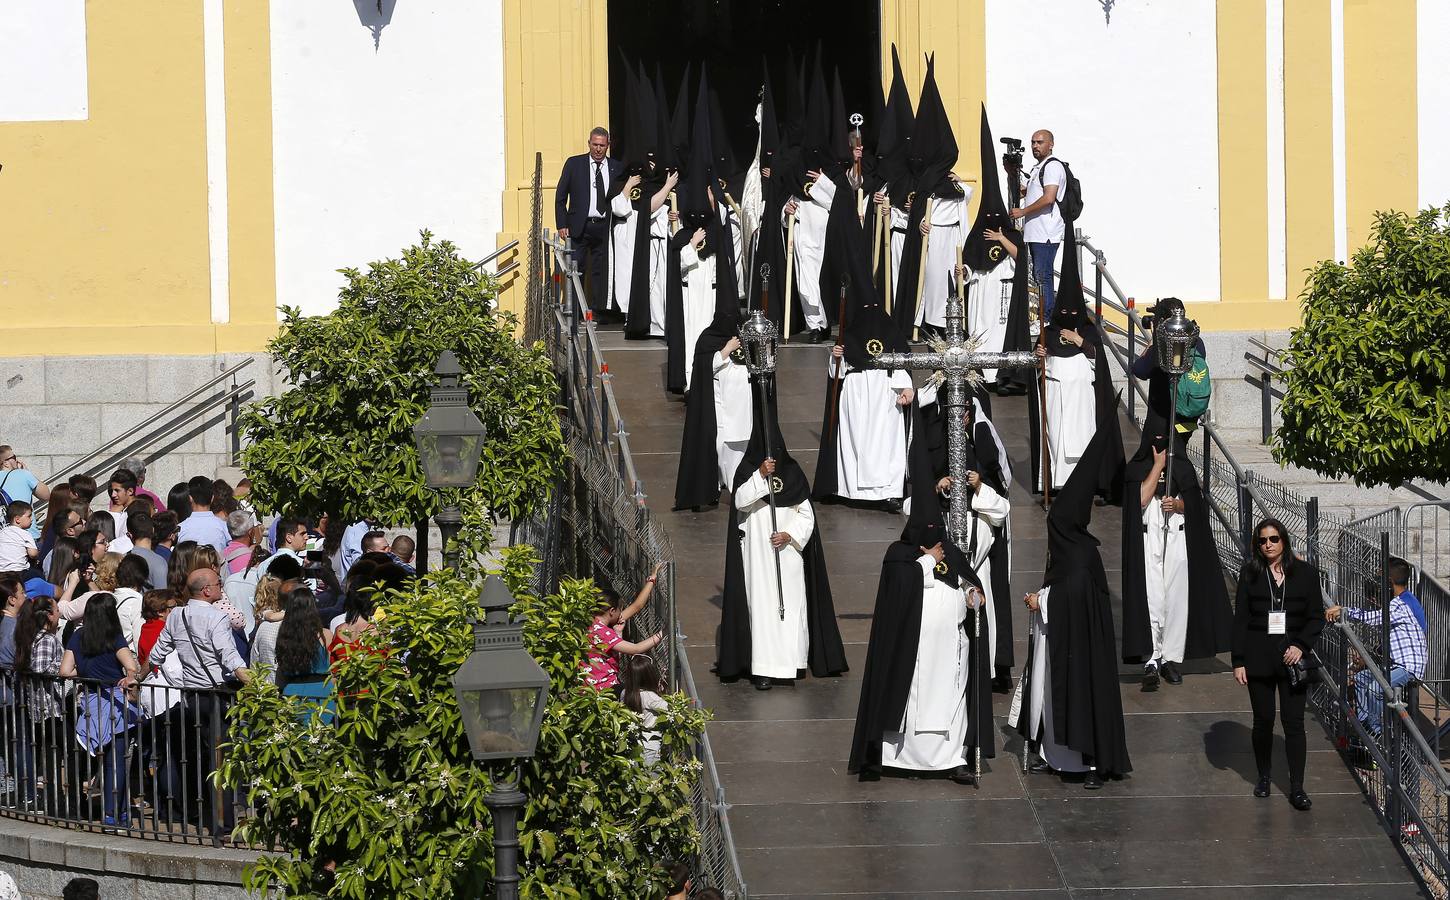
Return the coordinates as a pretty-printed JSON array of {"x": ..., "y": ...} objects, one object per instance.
[
  {"x": 1087, "y": 710},
  {"x": 826, "y": 655},
  {"x": 896, "y": 630},
  {"x": 1210, "y": 615}
]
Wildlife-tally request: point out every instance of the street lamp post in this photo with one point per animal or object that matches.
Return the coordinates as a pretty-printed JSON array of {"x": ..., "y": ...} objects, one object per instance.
[
  {"x": 450, "y": 442},
  {"x": 501, "y": 693}
]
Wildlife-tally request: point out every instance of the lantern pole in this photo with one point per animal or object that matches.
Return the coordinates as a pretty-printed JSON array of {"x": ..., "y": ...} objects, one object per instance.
[{"x": 759, "y": 336}]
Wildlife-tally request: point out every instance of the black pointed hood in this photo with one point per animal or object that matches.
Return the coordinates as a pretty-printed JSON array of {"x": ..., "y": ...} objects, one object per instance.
[
  {"x": 818, "y": 143},
  {"x": 982, "y": 253},
  {"x": 769, "y": 122},
  {"x": 664, "y": 129},
  {"x": 1069, "y": 306},
  {"x": 729, "y": 175},
  {"x": 1070, "y": 546},
  {"x": 895, "y": 134},
  {"x": 696, "y": 209},
  {"x": 840, "y": 125},
  {"x": 933, "y": 145},
  {"x": 927, "y": 525},
  {"x": 791, "y": 486},
  {"x": 680, "y": 120}
]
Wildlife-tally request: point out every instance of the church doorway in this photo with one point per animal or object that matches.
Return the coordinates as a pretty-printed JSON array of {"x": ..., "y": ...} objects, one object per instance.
[{"x": 734, "y": 37}]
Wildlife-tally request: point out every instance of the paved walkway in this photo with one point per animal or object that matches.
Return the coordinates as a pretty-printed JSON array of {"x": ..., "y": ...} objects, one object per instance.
[{"x": 1183, "y": 825}]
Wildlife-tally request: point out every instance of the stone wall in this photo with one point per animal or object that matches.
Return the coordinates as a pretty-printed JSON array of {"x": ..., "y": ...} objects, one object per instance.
[
  {"x": 42, "y": 859},
  {"x": 54, "y": 410}
]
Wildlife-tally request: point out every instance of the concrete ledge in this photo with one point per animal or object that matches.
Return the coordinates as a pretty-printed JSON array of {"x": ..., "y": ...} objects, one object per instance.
[{"x": 42, "y": 859}]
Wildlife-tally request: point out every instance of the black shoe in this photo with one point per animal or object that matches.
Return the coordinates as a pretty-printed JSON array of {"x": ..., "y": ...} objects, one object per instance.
[
  {"x": 1262, "y": 788},
  {"x": 1038, "y": 766},
  {"x": 891, "y": 506},
  {"x": 1171, "y": 673},
  {"x": 1300, "y": 800},
  {"x": 1150, "y": 678},
  {"x": 1002, "y": 684},
  {"x": 761, "y": 683},
  {"x": 963, "y": 775},
  {"x": 1093, "y": 781},
  {"x": 818, "y": 335}
]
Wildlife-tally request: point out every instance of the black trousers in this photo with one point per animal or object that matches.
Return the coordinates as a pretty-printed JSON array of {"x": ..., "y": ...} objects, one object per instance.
[
  {"x": 591, "y": 252},
  {"x": 1291, "y": 715}
]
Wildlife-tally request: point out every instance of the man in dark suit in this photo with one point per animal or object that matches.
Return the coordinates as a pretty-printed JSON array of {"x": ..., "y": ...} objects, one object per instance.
[{"x": 581, "y": 213}]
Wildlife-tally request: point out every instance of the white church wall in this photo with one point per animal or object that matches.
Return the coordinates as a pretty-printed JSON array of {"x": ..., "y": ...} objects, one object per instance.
[
  {"x": 374, "y": 143},
  {"x": 1433, "y": 100},
  {"x": 43, "y": 66},
  {"x": 1144, "y": 148}
]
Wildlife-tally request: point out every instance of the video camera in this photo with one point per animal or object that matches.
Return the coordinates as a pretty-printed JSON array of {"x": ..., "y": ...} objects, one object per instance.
[{"x": 1012, "y": 159}]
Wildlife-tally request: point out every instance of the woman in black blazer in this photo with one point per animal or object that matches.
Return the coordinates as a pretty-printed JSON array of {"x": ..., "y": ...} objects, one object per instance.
[{"x": 1278, "y": 615}]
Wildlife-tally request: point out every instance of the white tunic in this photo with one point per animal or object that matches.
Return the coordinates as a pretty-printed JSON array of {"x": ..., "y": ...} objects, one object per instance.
[
  {"x": 622, "y": 258},
  {"x": 659, "y": 245},
  {"x": 989, "y": 510},
  {"x": 1071, "y": 412},
  {"x": 778, "y": 646},
  {"x": 812, "y": 214},
  {"x": 933, "y": 731},
  {"x": 1165, "y": 575},
  {"x": 988, "y": 301},
  {"x": 733, "y": 416},
  {"x": 1038, "y": 700},
  {"x": 698, "y": 299},
  {"x": 948, "y": 234},
  {"x": 870, "y": 436},
  {"x": 737, "y": 237},
  {"x": 898, "y": 244}
]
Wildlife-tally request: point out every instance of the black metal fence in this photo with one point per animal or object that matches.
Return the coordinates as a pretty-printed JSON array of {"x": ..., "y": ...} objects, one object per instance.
[
  {"x": 598, "y": 523},
  {"x": 88, "y": 755},
  {"x": 1398, "y": 766}
]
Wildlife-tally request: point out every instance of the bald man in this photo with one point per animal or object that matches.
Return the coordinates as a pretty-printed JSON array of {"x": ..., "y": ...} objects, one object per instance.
[{"x": 1042, "y": 225}]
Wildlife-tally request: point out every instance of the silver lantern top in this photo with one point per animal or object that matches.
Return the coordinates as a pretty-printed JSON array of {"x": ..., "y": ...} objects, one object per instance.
[
  {"x": 758, "y": 336},
  {"x": 1173, "y": 337}
]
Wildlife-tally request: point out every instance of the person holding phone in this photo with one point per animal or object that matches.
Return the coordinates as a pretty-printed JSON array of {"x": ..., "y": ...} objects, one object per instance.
[{"x": 1278, "y": 614}]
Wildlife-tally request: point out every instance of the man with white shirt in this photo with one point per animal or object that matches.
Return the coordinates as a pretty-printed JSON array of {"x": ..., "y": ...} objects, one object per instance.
[
  {"x": 1042, "y": 224},
  {"x": 203, "y": 525},
  {"x": 122, "y": 490}
]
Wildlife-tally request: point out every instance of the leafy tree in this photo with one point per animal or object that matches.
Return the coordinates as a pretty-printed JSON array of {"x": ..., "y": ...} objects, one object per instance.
[
  {"x": 1367, "y": 396},
  {"x": 340, "y": 439},
  {"x": 390, "y": 796}
]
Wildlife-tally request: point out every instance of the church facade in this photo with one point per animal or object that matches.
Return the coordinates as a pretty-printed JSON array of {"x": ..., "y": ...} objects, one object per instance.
[{"x": 172, "y": 174}]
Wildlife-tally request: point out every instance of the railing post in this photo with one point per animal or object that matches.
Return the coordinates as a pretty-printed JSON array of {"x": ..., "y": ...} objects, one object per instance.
[
  {"x": 1099, "y": 261},
  {"x": 1207, "y": 463},
  {"x": 1132, "y": 355},
  {"x": 1311, "y": 529},
  {"x": 1389, "y": 701},
  {"x": 234, "y": 411},
  {"x": 1266, "y": 411},
  {"x": 1246, "y": 515},
  {"x": 671, "y": 629}
]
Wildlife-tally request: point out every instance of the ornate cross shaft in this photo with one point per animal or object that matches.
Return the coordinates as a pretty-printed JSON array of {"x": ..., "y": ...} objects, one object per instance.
[{"x": 958, "y": 363}]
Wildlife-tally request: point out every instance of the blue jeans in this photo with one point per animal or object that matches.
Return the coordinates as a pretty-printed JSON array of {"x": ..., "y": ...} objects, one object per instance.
[
  {"x": 1369, "y": 699},
  {"x": 1043, "y": 258}
]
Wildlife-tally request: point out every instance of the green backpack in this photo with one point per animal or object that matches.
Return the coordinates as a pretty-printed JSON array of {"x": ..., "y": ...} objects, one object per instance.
[{"x": 1195, "y": 387}]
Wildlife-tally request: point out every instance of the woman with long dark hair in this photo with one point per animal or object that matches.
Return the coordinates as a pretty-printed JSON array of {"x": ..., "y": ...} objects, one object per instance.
[
  {"x": 178, "y": 500},
  {"x": 94, "y": 543},
  {"x": 301, "y": 641},
  {"x": 1278, "y": 614},
  {"x": 38, "y": 655},
  {"x": 99, "y": 653}
]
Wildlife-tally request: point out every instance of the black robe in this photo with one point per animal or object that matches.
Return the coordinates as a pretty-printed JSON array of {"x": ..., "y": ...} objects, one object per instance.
[
  {"x": 637, "y": 320},
  {"x": 1087, "y": 709},
  {"x": 697, "y": 482},
  {"x": 1109, "y": 479},
  {"x": 1210, "y": 615},
  {"x": 826, "y": 655},
  {"x": 675, "y": 361}
]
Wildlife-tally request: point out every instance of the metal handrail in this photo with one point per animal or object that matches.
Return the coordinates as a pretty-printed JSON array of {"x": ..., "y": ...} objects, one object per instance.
[
  {"x": 114, "y": 442},
  {"x": 496, "y": 254}
]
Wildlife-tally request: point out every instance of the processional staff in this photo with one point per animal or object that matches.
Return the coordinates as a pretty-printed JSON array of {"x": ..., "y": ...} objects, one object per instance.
[{"x": 758, "y": 335}]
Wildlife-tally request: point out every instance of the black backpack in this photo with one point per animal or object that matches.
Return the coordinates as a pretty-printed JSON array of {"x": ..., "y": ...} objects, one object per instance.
[{"x": 1070, "y": 203}]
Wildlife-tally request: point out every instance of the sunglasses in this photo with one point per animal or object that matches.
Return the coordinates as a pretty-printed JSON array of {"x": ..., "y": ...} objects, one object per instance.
[{"x": 1269, "y": 539}]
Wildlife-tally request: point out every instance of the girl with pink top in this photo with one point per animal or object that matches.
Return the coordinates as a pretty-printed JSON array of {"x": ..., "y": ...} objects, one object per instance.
[{"x": 601, "y": 669}]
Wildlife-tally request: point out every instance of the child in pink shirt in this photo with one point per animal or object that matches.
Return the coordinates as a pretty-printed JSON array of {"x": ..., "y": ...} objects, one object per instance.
[{"x": 601, "y": 669}]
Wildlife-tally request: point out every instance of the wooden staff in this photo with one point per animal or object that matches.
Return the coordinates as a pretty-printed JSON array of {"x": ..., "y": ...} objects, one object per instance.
[
  {"x": 789, "y": 282},
  {"x": 876, "y": 248},
  {"x": 837, "y": 376},
  {"x": 921, "y": 268},
  {"x": 886, "y": 227},
  {"x": 1042, "y": 420}
]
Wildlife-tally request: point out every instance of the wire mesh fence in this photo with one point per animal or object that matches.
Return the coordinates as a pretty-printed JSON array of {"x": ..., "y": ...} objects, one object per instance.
[{"x": 598, "y": 524}]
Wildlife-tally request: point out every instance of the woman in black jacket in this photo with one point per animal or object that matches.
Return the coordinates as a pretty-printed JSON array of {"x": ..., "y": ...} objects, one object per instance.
[{"x": 1278, "y": 615}]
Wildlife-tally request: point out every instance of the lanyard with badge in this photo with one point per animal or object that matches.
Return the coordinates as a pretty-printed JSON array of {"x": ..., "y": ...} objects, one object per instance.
[{"x": 1278, "y": 618}]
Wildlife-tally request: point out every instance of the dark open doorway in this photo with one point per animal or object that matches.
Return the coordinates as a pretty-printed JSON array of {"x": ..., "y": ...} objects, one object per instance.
[{"x": 733, "y": 36}]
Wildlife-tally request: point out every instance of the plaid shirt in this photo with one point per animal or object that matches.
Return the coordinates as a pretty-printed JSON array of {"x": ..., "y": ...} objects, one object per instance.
[
  {"x": 42, "y": 694},
  {"x": 1407, "y": 639}
]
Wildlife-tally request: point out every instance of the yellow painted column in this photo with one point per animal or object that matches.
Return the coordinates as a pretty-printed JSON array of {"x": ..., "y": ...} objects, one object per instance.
[
  {"x": 556, "y": 88},
  {"x": 1308, "y": 139},
  {"x": 1243, "y": 176},
  {"x": 251, "y": 225},
  {"x": 1381, "y": 159}
]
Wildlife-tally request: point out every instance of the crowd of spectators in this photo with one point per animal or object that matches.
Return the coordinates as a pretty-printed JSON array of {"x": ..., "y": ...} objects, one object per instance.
[{"x": 114, "y": 599}]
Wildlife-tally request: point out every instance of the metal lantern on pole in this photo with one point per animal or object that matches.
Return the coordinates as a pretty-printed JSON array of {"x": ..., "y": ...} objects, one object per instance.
[
  {"x": 450, "y": 442},
  {"x": 758, "y": 336},
  {"x": 501, "y": 692},
  {"x": 1173, "y": 341}
]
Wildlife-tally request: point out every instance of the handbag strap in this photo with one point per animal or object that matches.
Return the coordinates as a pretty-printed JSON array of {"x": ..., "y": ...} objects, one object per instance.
[{"x": 191, "y": 635}]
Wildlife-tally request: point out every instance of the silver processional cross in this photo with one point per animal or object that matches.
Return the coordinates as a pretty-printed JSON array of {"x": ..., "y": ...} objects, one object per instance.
[{"x": 958, "y": 363}]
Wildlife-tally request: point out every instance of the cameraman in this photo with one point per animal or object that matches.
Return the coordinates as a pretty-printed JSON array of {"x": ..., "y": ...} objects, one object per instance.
[{"x": 1042, "y": 225}]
